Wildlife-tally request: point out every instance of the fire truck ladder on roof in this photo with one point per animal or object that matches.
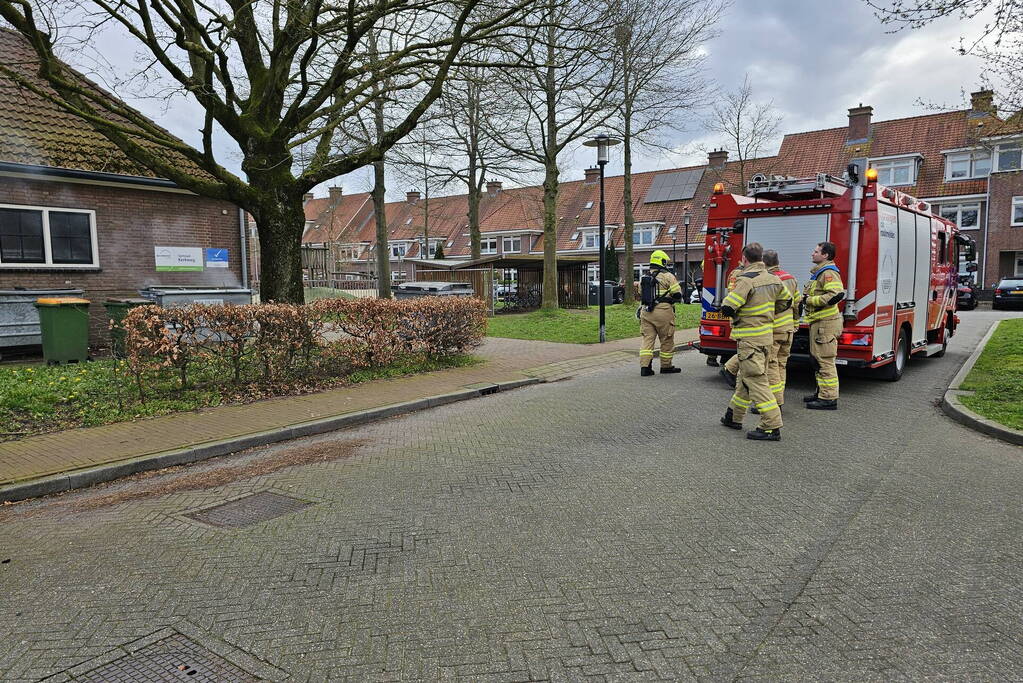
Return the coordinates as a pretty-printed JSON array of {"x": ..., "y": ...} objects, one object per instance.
[{"x": 784, "y": 187}]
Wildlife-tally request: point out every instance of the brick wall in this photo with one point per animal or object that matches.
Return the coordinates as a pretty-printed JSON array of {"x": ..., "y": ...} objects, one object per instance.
[
  {"x": 1002, "y": 237},
  {"x": 129, "y": 224}
]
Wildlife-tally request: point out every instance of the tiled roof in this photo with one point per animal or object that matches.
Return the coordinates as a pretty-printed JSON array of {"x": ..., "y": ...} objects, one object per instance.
[
  {"x": 336, "y": 219},
  {"x": 36, "y": 132}
]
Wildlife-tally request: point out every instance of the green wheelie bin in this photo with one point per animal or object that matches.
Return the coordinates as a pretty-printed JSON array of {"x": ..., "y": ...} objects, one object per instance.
[
  {"x": 64, "y": 325},
  {"x": 116, "y": 310}
]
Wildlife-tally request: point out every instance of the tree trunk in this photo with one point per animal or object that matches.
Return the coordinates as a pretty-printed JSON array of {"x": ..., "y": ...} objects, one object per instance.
[
  {"x": 383, "y": 250},
  {"x": 474, "y": 210},
  {"x": 550, "y": 236},
  {"x": 627, "y": 279},
  {"x": 281, "y": 220}
]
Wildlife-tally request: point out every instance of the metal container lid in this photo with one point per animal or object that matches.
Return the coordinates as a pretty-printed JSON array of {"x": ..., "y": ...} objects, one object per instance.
[{"x": 60, "y": 301}]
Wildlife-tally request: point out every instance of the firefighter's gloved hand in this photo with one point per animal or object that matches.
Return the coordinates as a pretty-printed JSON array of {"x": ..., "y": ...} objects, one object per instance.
[
  {"x": 728, "y": 311},
  {"x": 799, "y": 309},
  {"x": 638, "y": 310},
  {"x": 782, "y": 305},
  {"x": 839, "y": 296}
]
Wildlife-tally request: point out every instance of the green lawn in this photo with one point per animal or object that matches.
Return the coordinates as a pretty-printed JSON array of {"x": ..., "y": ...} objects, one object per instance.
[
  {"x": 997, "y": 378},
  {"x": 316, "y": 293},
  {"x": 580, "y": 326}
]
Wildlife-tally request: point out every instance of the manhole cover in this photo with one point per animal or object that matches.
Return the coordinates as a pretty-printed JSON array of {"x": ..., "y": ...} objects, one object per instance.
[
  {"x": 175, "y": 658},
  {"x": 251, "y": 509}
]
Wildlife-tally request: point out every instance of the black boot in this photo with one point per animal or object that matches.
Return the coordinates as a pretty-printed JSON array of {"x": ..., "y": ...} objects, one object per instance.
[
  {"x": 729, "y": 377},
  {"x": 712, "y": 361},
  {"x": 646, "y": 372},
  {"x": 760, "y": 434},
  {"x": 823, "y": 404},
  {"x": 754, "y": 410},
  {"x": 669, "y": 370},
  {"x": 728, "y": 422},
  {"x": 810, "y": 397}
]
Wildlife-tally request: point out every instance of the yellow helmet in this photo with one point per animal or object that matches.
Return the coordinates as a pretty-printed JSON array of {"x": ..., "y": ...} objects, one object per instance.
[{"x": 659, "y": 258}]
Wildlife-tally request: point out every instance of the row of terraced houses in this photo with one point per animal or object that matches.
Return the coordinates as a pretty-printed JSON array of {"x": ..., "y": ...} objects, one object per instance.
[{"x": 965, "y": 163}]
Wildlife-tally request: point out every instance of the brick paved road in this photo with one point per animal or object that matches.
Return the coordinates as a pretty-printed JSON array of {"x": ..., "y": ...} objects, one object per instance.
[{"x": 602, "y": 526}]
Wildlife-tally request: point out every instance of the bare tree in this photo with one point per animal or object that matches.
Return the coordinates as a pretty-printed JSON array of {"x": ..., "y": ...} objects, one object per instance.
[
  {"x": 998, "y": 42},
  {"x": 280, "y": 78},
  {"x": 562, "y": 95},
  {"x": 748, "y": 129},
  {"x": 657, "y": 44}
]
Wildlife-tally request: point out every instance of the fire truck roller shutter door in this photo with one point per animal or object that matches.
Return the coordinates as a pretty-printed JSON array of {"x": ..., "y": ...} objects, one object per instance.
[
  {"x": 793, "y": 237},
  {"x": 887, "y": 260},
  {"x": 907, "y": 261},
  {"x": 922, "y": 278}
]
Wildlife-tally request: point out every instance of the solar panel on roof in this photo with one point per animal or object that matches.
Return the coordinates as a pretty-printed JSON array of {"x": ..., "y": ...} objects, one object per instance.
[{"x": 668, "y": 187}]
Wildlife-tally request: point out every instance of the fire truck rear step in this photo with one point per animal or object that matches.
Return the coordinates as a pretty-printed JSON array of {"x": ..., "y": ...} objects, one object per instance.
[{"x": 934, "y": 348}]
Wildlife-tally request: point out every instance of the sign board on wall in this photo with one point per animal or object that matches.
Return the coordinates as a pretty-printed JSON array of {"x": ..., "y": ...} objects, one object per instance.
[
  {"x": 178, "y": 258},
  {"x": 216, "y": 258}
]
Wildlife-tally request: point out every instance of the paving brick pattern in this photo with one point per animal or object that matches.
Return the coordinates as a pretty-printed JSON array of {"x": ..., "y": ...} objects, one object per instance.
[{"x": 603, "y": 527}]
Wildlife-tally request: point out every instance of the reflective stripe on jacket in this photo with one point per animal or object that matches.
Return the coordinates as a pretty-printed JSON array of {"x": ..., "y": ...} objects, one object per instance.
[
  {"x": 784, "y": 322},
  {"x": 824, "y": 283}
]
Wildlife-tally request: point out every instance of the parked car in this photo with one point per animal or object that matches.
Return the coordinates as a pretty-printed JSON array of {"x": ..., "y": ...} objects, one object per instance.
[
  {"x": 968, "y": 293},
  {"x": 1008, "y": 293}
]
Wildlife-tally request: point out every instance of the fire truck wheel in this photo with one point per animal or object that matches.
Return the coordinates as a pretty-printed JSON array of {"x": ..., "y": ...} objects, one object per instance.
[{"x": 893, "y": 371}]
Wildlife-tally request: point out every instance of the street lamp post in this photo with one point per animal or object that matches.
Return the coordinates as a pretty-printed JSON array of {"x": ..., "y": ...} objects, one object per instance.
[
  {"x": 685, "y": 273},
  {"x": 601, "y": 142},
  {"x": 674, "y": 261}
]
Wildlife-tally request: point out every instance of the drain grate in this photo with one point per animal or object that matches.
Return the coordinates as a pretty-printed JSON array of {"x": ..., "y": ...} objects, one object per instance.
[
  {"x": 175, "y": 658},
  {"x": 251, "y": 509}
]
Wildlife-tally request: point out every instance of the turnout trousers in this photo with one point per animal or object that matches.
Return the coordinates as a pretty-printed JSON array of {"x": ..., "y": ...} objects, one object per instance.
[
  {"x": 776, "y": 365},
  {"x": 658, "y": 324},
  {"x": 751, "y": 388},
  {"x": 823, "y": 350}
]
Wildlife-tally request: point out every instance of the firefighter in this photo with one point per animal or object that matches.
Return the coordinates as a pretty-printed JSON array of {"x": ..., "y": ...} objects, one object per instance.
[
  {"x": 660, "y": 292},
  {"x": 784, "y": 329},
  {"x": 820, "y": 301},
  {"x": 753, "y": 304},
  {"x": 731, "y": 366}
]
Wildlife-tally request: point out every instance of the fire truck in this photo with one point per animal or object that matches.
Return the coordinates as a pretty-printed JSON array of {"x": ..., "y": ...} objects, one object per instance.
[{"x": 899, "y": 262}]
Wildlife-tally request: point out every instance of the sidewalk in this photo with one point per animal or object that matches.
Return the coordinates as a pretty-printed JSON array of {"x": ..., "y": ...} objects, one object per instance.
[{"x": 41, "y": 458}]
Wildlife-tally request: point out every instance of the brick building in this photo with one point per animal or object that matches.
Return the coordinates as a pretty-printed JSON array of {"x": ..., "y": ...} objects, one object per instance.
[{"x": 75, "y": 212}]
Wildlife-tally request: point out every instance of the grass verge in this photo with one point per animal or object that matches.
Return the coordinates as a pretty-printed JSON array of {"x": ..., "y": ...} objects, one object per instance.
[
  {"x": 316, "y": 293},
  {"x": 997, "y": 377},
  {"x": 39, "y": 399},
  {"x": 580, "y": 326}
]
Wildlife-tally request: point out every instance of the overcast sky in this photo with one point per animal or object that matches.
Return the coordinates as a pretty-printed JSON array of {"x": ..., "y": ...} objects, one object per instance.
[{"x": 814, "y": 59}]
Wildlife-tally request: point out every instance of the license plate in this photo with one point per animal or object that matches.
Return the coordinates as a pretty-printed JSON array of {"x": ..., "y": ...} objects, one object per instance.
[
  {"x": 841, "y": 361},
  {"x": 1016, "y": 291},
  {"x": 713, "y": 315}
]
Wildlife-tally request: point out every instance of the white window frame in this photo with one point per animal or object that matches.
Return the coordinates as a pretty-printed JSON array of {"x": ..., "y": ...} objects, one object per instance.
[
  {"x": 1016, "y": 145},
  {"x": 888, "y": 166},
  {"x": 511, "y": 244},
  {"x": 48, "y": 263},
  {"x": 1018, "y": 264},
  {"x": 592, "y": 272},
  {"x": 593, "y": 235},
  {"x": 488, "y": 245},
  {"x": 639, "y": 270},
  {"x": 970, "y": 158},
  {"x": 638, "y": 232},
  {"x": 1017, "y": 208},
  {"x": 398, "y": 249},
  {"x": 959, "y": 208}
]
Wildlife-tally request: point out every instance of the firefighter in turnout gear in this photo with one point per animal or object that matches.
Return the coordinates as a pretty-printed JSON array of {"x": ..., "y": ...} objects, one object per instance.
[
  {"x": 660, "y": 293},
  {"x": 731, "y": 367},
  {"x": 757, "y": 298},
  {"x": 784, "y": 329},
  {"x": 820, "y": 300}
]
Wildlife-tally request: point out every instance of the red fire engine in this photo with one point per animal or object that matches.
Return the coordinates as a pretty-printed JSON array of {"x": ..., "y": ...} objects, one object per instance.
[{"x": 898, "y": 262}]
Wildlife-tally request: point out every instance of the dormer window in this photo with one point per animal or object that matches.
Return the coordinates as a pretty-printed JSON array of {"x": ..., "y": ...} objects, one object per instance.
[
  {"x": 1009, "y": 156},
  {"x": 896, "y": 171},
  {"x": 591, "y": 238},
  {"x": 965, "y": 165},
  {"x": 644, "y": 235}
]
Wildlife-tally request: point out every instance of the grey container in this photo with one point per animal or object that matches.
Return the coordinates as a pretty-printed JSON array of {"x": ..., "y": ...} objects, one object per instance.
[
  {"x": 184, "y": 296},
  {"x": 414, "y": 290},
  {"x": 19, "y": 318}
]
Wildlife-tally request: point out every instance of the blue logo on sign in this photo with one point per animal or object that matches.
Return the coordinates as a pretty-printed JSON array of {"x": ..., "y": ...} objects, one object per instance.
[{"x": 216, "y": 256}]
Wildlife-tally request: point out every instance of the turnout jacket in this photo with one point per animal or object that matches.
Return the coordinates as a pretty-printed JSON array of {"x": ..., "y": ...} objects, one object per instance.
[
  {"x": 825, "y": 283},
  {"x": 758, "y": 295},
  {"x": 784, "y": 322}
]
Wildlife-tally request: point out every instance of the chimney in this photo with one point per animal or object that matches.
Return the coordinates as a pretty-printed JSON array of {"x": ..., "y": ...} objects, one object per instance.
[
  {"x": 983, "y": 101},
  {"x": 412, "y": 196},
  {"x": 717, "y": 158},
  {"x": 307, "y": 197},
  {"x": 592, "y": 174},
  {"x": 335, "y": 193},
  {"x": 859, "y": 123},
  {"x": 493, "y": 187}
]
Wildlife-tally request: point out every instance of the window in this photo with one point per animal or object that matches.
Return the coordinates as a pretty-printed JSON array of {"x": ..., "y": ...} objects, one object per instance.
[
  {"x": 1009, "y": 154},
  {"x": 643, "y": 236},
  {"x": 966, "y": 216},
  {"x": 639, "y": 270},
  {"x": 488, "y": 246},
  {"x": 1017, "y": 211},
  {"x": 433, "y": 246},
  {"x": 589, "y": 205},
  {"x": 963, "y": 165},
  {"x": 512, "y": 245},
  {"x": 591, "y": 239},
  {"x": 47, "y": 238},
  {"x": 896, "y": 171},
  {"x": 398, "y": 249}
]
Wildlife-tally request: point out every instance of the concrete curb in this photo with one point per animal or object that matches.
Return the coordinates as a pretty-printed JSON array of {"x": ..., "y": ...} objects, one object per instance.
[
  {"x": 58, "y": 483},
  {"x": 953, "y": 407}
]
